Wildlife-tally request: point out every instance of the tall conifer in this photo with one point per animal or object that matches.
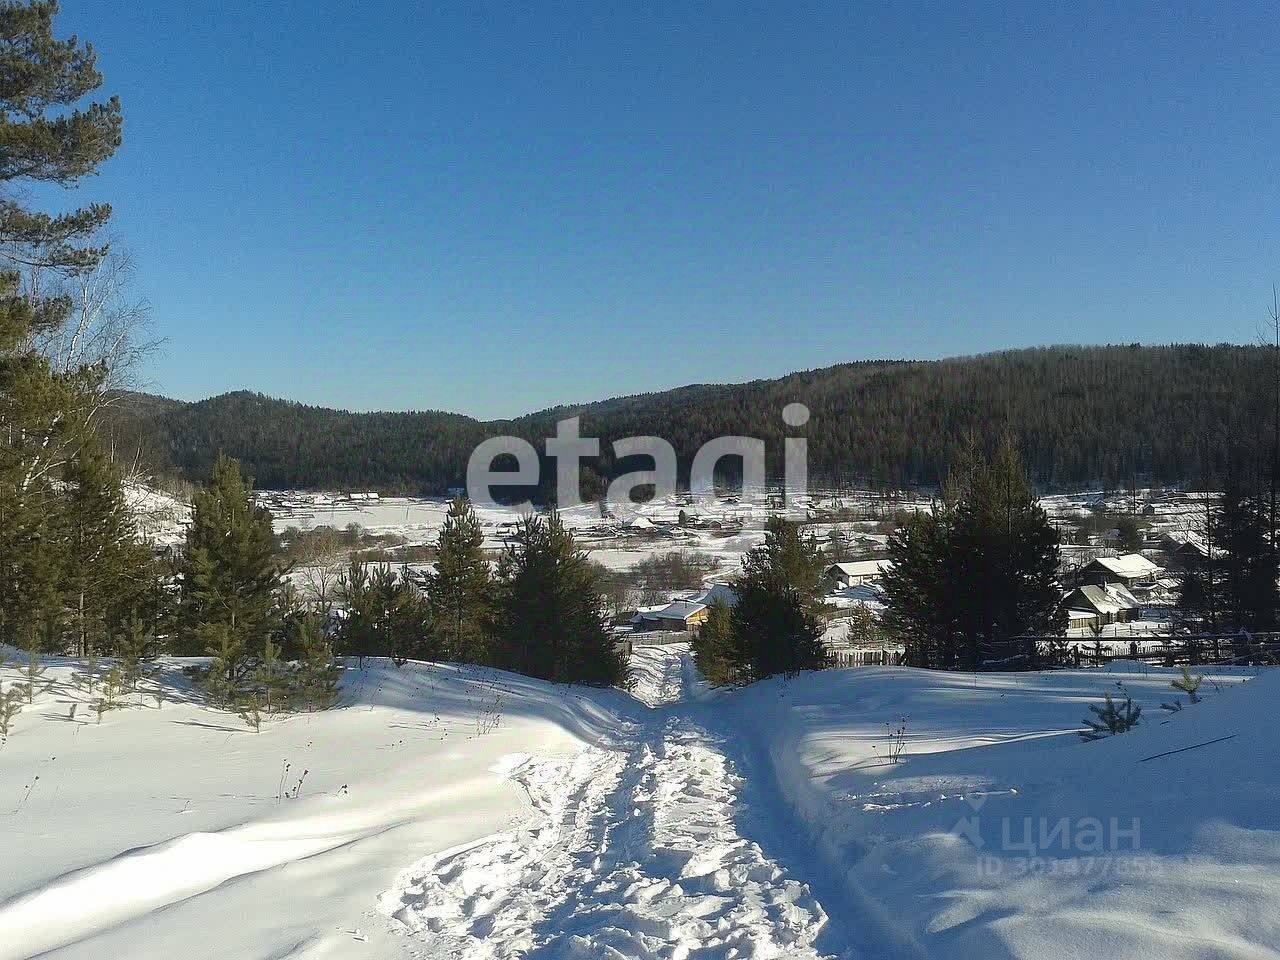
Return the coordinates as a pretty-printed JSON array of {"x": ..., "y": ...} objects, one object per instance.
[
  {"x": 550, "y": 617},
  {"x": 109, "y": 574},
  {"x": 47, "y": 136},
  {"x": 460, "y": 592},
  {"x": 977, "y": 571},
  {"x": 775, "y": 621},
  {"x": 228, "y": 575}
]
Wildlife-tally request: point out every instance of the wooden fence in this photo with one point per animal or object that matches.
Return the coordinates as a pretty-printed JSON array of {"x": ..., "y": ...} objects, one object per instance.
[
  {"x": 866, "y": 658},
  {"x": 1193, "y": 650},
  {"x": 659, "y": 638}
]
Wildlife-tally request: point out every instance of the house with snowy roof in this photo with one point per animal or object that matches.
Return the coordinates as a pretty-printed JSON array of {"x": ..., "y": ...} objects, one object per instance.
[
  {"x": 1098, "y": 604},
  {"x": 840, "y": 576},
  {"x": 677, "y": 615},
  {"x": 717, "y": 593},
  {"x": 1130, "y": 570}
]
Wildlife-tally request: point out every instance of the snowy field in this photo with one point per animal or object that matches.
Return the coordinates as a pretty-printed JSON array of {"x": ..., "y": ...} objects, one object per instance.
[{"x": 460, "y": 813}]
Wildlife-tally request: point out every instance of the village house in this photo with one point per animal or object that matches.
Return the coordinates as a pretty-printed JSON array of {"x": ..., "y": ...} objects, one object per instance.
[
  {"x": 1096, "y": 605},
  {"x": 685, "y": 615},
  {"x": 841, "y": 576},
  {"x": 715, "y": 592},
  {"x": 1185, "y": 551},
  {"x": 1129, "y": 571}
]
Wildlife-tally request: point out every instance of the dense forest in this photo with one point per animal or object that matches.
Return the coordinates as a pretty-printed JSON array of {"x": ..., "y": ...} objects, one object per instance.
[{"x": 1079, "y": 415}]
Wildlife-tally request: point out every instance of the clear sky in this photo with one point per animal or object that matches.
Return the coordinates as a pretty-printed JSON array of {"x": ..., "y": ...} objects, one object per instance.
[{"x": 491, "y": 208}]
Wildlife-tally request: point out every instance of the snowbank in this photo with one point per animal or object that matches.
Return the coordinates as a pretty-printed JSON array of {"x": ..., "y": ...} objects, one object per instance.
[
  {"x": 183, "y": 808},
  {"x": 1001, "y": 834}
]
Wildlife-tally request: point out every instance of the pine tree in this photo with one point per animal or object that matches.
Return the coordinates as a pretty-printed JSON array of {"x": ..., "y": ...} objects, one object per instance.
[
  {"x": 979, "y": 571},
  {"x": 550, "y": 619},
  {"x": 713, "y": 646},
  {"x": 318, "y": 671},
  {"x": 229, "y": 578},
  {"x": 108, "y": 573},
  {"x": 1247, "y": 564},
  {"x": 384, "y": 615},
  {"x": 1235, "y": 586},
  {"x": 45, "y": 411},
  {"x": 1111, "y": 719},
  {"x": 460, "y": 592},
  {"x": 32, "y": 559},
  {"x": 1197, "y": 607},
  {"x": 921, "y": 595},
  {"x": 775, "y": 621},
  {"x": 358, "y": 633},
  {"x": 410, "y": 623}
]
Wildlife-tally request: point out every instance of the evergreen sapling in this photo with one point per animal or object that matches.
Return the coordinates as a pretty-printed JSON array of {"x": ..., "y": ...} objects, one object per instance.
[{"x": 1111, "y": 719}]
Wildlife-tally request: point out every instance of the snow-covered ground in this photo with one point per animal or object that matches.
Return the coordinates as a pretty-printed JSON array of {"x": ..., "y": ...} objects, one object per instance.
[
  {"x": 462, "y": 813},
  {"x": 173, "y": 831},
  {"x": 1002, "y": 834}
]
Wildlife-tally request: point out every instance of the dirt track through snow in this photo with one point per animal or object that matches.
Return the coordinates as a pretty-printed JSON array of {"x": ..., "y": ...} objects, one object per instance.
[{"x": 637, "y": 848}]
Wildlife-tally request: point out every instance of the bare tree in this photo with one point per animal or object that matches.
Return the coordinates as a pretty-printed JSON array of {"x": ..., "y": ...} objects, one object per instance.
[
  {"x": 320, "y": 583},
  {"x": 1271, "y": 339},
  {"x": 108, "y": 330},
  {"x": 98, "y": 348}
]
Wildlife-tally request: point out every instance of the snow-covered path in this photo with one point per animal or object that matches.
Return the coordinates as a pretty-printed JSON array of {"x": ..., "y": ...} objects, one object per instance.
[
  {"x": 633, "y": 849},
  {"x": 680, "y": 822}
]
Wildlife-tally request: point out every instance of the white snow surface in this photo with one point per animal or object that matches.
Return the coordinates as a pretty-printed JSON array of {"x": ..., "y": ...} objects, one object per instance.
[
  {"x": 469, "y": 814},
  {"x": 162, "y": 832}
]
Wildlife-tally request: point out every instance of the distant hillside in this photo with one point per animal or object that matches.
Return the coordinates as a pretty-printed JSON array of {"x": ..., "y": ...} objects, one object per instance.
[{"x": 1081, "y": 414}]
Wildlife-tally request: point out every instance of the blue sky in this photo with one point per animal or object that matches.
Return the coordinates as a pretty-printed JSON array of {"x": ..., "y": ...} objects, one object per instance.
[{"x": 491, "y": 208}]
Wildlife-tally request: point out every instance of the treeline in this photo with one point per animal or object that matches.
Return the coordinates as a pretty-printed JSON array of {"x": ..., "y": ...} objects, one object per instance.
[
  {"x": 1079, "y": 415},
  {"x": 541, "y": 612},
  {"x": 93, "y": 591}
]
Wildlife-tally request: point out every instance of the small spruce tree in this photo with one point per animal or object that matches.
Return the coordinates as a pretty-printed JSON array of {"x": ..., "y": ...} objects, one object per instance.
[
  {"x": 317, "y": 672},
  {"x": 460, "y": 592},
  {"x": 10, "y": 707},
  {"x": 1188, "y": 684},
  {"x": 1111, "y": 719},
  {"x": 229, "y": 578}
]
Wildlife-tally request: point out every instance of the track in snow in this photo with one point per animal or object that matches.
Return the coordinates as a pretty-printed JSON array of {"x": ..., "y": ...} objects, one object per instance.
[{"x": 632, "y": 851}]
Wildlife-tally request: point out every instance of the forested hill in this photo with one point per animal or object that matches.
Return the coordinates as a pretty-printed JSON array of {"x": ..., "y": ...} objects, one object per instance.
[{"x": 1081, "y": 415}]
